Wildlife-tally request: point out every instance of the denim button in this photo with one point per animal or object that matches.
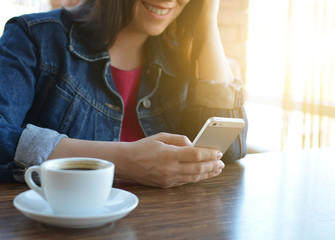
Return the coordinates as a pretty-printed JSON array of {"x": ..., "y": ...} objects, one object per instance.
[{"x": 147, "y": 103}]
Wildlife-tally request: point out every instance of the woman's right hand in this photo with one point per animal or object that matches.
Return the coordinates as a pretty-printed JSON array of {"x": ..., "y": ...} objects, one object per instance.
[
  {"x": 162, "y": 160},
  {"x": 167, "y": 160}
]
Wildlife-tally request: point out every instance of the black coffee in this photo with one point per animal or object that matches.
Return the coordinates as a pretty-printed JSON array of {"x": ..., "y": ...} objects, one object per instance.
[
  {"x": 80, "y": 166},
  {"x": 79, "y": 169}
]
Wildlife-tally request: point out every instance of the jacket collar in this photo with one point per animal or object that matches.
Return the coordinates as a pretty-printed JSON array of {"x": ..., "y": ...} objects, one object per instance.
[
  {"x": 157, "y": 54},
  {"x": 77, "y": 47},
  {"x": 154, "y": 52}
]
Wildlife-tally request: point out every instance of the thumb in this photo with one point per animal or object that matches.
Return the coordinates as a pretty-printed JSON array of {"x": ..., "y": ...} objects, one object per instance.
[{"x": 173, "y": 139}]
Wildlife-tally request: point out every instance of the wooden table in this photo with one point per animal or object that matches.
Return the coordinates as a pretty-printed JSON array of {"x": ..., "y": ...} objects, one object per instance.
[{"x": 263, "y": 196}]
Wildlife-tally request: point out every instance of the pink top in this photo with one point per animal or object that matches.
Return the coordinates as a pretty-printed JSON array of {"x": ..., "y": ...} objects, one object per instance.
[{"x": 127, "y": 84}]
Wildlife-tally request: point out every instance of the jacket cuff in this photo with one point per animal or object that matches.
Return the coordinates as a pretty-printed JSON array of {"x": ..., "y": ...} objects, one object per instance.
[
  {"x": 34, "y": 147},
  {"x": 223, "y": 95}
]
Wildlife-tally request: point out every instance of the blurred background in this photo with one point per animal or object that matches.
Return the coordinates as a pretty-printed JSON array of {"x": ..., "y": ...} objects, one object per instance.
[{"x": 283, "y": 50}]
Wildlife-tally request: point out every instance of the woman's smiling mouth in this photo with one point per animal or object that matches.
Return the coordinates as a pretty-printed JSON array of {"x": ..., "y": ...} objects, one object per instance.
[{"x": 155, "y": 10}]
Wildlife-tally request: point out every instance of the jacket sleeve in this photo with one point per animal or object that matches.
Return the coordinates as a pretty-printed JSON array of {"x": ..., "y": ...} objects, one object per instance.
[
  {"x": 28, "y": 145},
  {"x": 208, "y": 98}
]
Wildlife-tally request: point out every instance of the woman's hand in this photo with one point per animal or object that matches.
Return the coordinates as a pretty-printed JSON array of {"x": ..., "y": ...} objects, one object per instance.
[
  {"x": 163, "y": 160},
  {"x": 167, "y": 160}
]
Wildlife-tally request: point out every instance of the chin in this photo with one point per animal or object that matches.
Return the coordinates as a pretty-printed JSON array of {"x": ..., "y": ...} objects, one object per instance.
[{"x": 155, "y": 32}]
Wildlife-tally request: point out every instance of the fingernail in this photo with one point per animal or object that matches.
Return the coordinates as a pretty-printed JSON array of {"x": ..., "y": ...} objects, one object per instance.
[
  {"x": 221, "y": 164},
  {"x": 219, "y": 155}
]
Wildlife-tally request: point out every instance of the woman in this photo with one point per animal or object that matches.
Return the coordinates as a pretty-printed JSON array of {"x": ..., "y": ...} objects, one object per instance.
[{"x": 130, "y": 81}]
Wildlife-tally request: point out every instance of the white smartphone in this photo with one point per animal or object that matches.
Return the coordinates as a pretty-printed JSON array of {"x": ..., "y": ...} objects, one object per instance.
[{"x": 219, "y": 133}]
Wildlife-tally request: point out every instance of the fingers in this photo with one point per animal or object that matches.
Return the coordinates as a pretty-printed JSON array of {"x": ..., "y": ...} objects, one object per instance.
[
  {"x": 192, "y": 164},
  {"x": 196, "y": 164},
  {"x": 200, "y": 168},
  {"x": 197, "y": 177},
  {"x": 178, "y": 180},
  {"x": 184, "y": 173},
  {"x": 192, "y": 154}
]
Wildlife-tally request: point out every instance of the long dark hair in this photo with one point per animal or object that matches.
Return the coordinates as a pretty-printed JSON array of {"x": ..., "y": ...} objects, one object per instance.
[{"x": 101, "y": 20}]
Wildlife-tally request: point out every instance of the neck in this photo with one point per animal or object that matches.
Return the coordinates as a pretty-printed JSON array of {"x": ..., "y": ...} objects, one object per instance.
[{"x": 127, "y": 51}]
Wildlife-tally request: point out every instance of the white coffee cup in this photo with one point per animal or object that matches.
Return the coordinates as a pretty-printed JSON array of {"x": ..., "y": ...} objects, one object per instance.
[{"x": 73, "y": 186}]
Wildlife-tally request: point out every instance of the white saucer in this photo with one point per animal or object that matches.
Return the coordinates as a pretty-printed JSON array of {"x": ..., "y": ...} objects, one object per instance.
[{"x": 120, "y": 203}]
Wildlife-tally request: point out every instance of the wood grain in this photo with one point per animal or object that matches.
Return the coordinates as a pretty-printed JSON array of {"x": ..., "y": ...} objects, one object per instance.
[{"x": 263, "y": 196}]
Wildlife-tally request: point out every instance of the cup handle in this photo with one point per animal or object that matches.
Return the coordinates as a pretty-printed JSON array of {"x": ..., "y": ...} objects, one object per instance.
[{"x": 30, "y": 182}]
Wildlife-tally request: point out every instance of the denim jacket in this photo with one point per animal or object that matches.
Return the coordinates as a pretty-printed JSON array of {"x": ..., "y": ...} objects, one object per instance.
[{"x": 54, "y": 86}]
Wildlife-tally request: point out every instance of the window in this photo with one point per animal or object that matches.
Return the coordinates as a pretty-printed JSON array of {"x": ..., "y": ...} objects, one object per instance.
[
  {"x": 11, "y": 8},
  {"x": 290, "y": 74}
]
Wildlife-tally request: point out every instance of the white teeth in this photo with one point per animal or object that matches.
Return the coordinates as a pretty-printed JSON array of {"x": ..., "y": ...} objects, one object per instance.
[{"x": 157, "y": 11}]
